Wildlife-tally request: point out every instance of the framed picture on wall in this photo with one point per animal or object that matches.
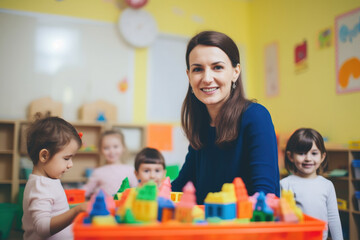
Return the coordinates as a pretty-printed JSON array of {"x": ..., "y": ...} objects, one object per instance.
[
  {"x": 347, "y": 39},
  {"x": 271, "y": 70}
]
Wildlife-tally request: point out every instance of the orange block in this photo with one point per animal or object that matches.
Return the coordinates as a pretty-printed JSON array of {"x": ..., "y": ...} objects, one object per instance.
[{"x": 244, "y": 209}]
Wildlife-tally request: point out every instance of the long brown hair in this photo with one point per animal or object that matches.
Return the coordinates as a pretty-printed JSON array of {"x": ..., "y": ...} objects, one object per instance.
[{"x": 194, "y": 115}]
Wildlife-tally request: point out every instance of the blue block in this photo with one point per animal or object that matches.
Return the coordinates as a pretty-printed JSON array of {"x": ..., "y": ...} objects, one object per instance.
[{"x": 223, "y": 211}]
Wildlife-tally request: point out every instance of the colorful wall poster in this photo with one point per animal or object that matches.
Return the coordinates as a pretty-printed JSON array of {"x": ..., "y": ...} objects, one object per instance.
[
  {"x": 347, "y": 29},
  {"x": 272, "y": 70},
  {"x": 300, "y": 57}
]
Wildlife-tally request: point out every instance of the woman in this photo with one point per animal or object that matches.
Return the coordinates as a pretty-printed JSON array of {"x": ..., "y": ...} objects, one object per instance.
[{"x": 229, "y": 135}]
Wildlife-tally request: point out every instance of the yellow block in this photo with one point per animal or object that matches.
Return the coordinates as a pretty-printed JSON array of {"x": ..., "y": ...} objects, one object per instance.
[{"x": 108, "y": 220}]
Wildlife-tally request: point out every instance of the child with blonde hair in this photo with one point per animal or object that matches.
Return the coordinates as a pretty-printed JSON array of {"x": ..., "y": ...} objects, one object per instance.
[
  {"x": 51, "y": 144},
  {"x": 110, "y": 176},
  {"x": 305, "y": 158}
]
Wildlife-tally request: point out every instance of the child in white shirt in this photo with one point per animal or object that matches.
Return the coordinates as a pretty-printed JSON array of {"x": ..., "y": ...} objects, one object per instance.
[
  {"x": 305, "y": 158},
  {"x": 51, "y": 144}
]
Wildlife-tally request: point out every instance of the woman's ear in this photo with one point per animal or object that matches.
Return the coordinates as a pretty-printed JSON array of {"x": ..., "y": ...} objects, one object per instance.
[
  {"x": 44, "y": 155},
  {"x": 237, "y": 71}
]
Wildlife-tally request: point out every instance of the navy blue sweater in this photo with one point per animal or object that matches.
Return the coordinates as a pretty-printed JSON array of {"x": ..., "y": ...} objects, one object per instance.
[{"x": 253, "y": 157}]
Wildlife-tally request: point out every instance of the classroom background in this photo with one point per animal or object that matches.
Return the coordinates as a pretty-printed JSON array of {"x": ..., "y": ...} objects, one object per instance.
[{"x": 299, "y": 58}]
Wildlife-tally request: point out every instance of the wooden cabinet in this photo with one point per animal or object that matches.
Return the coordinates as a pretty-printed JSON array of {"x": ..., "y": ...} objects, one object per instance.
[
  {"x": 13, "y": 147},
  {"x": 9, "y": 178}
]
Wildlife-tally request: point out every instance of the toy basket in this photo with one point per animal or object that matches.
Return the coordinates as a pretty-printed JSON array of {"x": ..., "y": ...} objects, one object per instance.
[{"x": 309, "y": 229}]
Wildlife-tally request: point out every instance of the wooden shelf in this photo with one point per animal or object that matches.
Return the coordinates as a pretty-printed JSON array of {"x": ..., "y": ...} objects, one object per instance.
[
  {"x": 8, "y": 152},
  {"x": 6, "y": 181},
  {"x": 356, "y": 212}
]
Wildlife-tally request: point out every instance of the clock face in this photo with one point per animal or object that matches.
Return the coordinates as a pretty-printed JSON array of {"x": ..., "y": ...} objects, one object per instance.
[{"x": 137, "y": 27}]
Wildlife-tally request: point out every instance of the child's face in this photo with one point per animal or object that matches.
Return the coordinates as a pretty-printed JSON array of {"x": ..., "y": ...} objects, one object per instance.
[
  {"x": 61, "y": 162},
  {"x": 112, "y": 148},
  {"x": 150, "y": 171},
  {"x": 307, "y": 163}
]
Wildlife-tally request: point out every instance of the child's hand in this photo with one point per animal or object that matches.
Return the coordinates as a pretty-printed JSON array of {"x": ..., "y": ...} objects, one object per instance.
[{"x": 82, "y": 207}]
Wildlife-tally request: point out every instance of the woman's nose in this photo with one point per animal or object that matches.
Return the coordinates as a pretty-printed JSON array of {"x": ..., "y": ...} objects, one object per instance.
[{"x": 207, "y": 77}]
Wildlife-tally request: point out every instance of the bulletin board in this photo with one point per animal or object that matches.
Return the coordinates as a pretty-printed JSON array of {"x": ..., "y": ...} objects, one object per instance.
[
  {"x": 72, "y": 60},
  {"x": 347, "y": 30}
]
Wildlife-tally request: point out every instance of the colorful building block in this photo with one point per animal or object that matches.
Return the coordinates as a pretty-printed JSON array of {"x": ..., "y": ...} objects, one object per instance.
[
  {"x": 145, "y": 206},
  {"x": 187, "y": 202}
]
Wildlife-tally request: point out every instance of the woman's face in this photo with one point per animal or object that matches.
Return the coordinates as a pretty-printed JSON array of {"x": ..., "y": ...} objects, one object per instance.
[{"x": 211, "y": 75}]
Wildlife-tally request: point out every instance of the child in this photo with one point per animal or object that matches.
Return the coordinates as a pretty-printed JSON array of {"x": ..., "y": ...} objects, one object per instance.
[
  {"x": 150, "y": 165},
  {"x": 305, "y": 157},
  {"x": 110, "y": 176},
  {"x": 51, "y": 144}
]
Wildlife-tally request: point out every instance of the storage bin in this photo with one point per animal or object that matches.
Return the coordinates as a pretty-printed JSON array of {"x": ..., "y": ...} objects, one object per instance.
[
  {"x": 356, "y": 166},
  {"x": 310, "y": 229},
  {"x": 75, "y": 196},
  {"x": 7, "y": 214}
]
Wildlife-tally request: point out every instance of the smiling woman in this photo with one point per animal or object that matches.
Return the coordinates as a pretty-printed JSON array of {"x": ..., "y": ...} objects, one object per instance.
[{"x": 230, "y": 136}]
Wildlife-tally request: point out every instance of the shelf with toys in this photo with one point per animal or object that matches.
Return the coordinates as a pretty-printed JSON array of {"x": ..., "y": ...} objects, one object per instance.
[
  {"x": 15, "y": 166},
  {"x": 149, "y": 213}
]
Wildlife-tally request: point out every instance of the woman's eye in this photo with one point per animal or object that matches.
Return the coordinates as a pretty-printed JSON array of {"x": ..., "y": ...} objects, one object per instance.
[
  {"x": 218, "y": 67},
  {"x": 196, "y": 69}
]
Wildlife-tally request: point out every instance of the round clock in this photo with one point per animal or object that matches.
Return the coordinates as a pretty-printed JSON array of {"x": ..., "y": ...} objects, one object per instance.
[
  {"x": 136, "y": 3},
  {"x": 137, "y": 27}
]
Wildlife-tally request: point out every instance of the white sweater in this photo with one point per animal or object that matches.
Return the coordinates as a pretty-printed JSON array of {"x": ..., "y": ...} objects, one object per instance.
[{"x": 317, "y": 198}]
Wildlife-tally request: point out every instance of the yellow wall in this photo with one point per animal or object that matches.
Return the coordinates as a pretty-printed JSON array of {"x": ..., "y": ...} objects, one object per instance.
[{"x": 307, "y": 99}]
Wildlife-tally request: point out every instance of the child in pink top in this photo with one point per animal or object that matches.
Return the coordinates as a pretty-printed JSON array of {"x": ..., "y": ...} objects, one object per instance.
[
  {"x": 110, "y": 176},
  {"x": 51, "y": 144}
]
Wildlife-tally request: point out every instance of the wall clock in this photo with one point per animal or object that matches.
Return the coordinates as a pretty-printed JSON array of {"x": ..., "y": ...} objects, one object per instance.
[{"x": 138, "y": 27}]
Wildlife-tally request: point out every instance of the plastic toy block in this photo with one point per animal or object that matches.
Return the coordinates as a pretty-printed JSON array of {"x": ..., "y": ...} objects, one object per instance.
[
  {"x": 286, "y": 213},
  {"x": 145, "y": 210},
  {"x": 126, "y": 201},
  {"x": 183, "y": 214},
  {"x": 261, "y": 204},
  {"x": 99, "y": 206},
  {"x": 223, "y": 211},
  {"x": 147, "y": 192},
  {"x": 198, "y": 214},
  {"x": 124, "y": 185},
  {"x": 167, "y": 214},
  {"x": 244, "y": 210},
  {"x": 165, "y": 188},
  {"x": 129, "y": 217},
  {"x": 175, "y": 196},
  {"x": 214, "y": 220},
  {"x": 226, "y": 196},
  {"x": 117, "y": 196},
  {"x": 240, "y": 190},
  {"x": 108, "y": 220},
  {"x": 167, "y": 206},
  {"x": 260, "y": 216},
  {"x": 188, "y": 199},
  {"x": 288, "y": 196}
]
